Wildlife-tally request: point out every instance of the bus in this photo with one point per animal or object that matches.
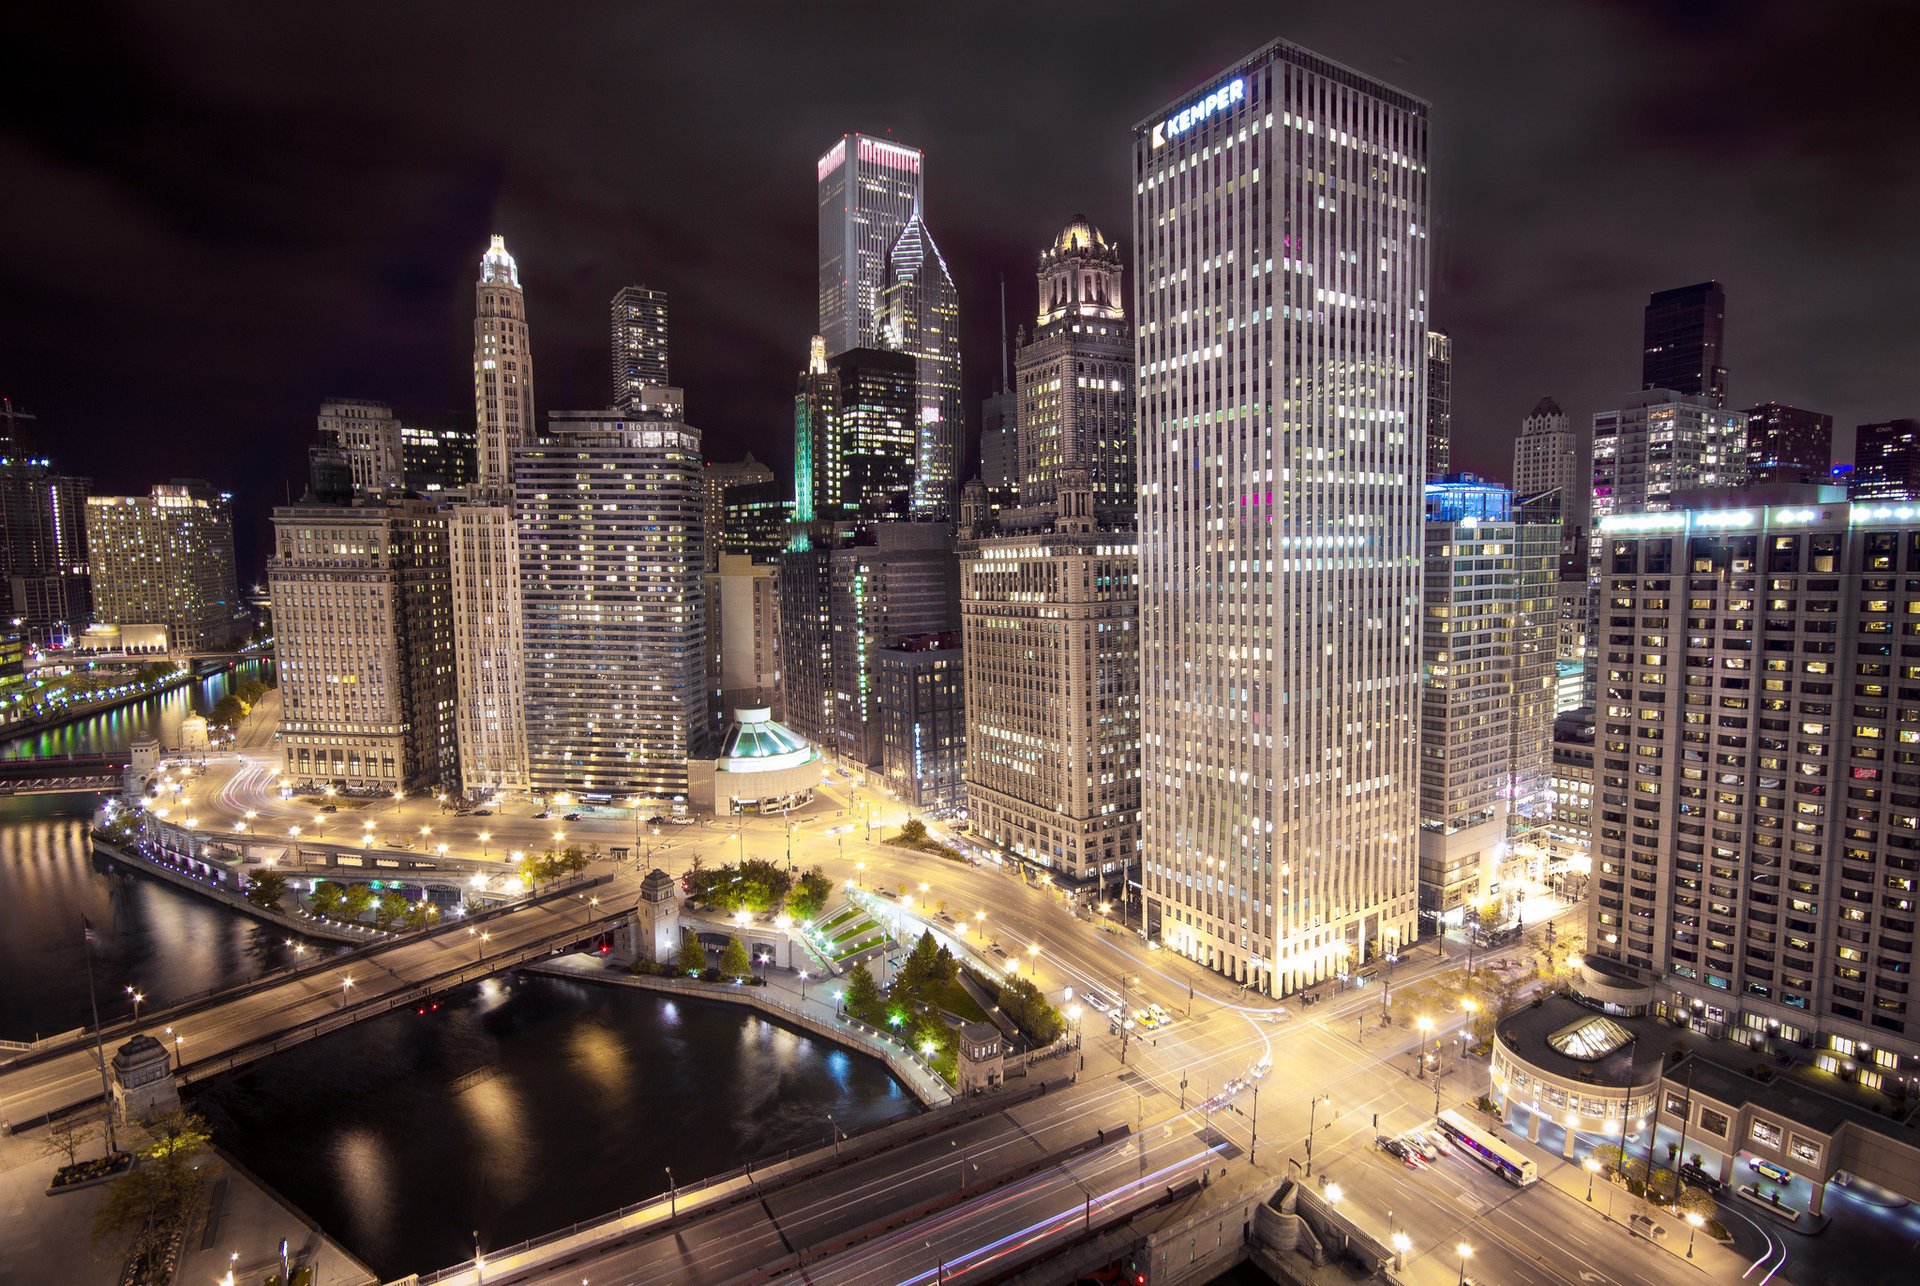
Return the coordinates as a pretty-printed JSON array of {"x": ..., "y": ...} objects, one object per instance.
[{"x": 1503, "y": 1159}]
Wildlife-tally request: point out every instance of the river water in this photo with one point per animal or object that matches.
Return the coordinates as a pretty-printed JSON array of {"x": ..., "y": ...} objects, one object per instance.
[{"x": 524, "y": 1104}]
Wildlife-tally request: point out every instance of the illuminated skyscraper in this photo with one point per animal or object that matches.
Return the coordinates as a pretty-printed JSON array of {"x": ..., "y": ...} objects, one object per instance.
[
  {"x": 920, "y": 316},
  {"x": 166, "y": 559},
  {"x": 491, "y": 706},
  {"x": 869, "y": 190},
  {"x": 1684, "y": 346},
  {"x": 1787, "y": 444},
  {"x": 1439, "y": 405},
  {"x": 1886, "y": 460},
  {"x": 639, "y": 343},
  {"x": 1662, "y": 443},
  {"x": 1281, "y": 214}
]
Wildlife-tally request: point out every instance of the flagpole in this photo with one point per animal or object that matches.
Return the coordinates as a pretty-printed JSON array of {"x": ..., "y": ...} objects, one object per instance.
[{"x": 99, "y": 1044}]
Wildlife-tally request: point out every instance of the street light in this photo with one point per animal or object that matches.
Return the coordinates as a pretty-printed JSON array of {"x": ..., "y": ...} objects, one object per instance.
[
  {"x": 1593, "y": 1169},
  {"x": 138, "y": 996},
  {"x": 1334, "y": 1193},
  {"x": 1033, "y": 959},
  {"x": 1425, "y": 1025},
  {"x": 484, "y": 837},
  {"x": 1401, "y": 1245},
  {"x": 1693, "y": 1230},
  {"x": 673, "y": 1194},
  {"x": 1313, "y": 1112},
  {"x": 346, "y": 985},
  {"x": 1466, "y": 1253}
]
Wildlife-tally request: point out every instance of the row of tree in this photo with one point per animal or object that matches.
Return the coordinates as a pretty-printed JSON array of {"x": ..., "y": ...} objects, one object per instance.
[
  {"x": 735, "y": 962},
  {"x": 239, "y": 702},
  {"x": 344, "y": 901},
  {"x": 759, "y": 886}
]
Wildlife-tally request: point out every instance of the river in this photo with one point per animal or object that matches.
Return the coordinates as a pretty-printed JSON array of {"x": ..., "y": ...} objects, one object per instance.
[
  {"x": 114, "y": 730},
  {"x": 526, "y": 1103}
]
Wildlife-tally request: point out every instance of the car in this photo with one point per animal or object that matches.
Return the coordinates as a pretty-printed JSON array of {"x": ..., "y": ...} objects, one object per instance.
[
  {"x": 1261, "y": 1068},
  {"x": 1427, "y": 1151},
  {"x": 1396, "y": 1148},
  {"x": 542, "y": 815},
  {"x": 1699, "y": 1177},
  {"x": 1434, "y": 1139},
  {"x": 571, "y": 817},
  {"x": 483, "y": 812},
  {"x": 656, "y": 820},
  {"x": 1767, "y": 1169},
  {"x": 330, "y": 808}
]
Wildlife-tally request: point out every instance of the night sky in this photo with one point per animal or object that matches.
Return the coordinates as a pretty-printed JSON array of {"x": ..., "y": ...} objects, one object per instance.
[{"x": 215, "y": 216}]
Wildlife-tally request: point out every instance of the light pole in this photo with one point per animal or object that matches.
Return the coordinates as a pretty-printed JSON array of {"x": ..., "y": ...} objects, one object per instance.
[
  {"x": 1466, "y": 1253},
  {"x": 673, "y": 1194},
  {"x": 176, "y": 1048},
  {"x": 1253, "y": 1144},
  {"x": 1033, "y": 959},
  {"x": 1593, "y": 1169},
  {"x": 138, "y": 996},
  {"x": 1424, "y": 1025},
  {"x": 834, "y": 1131},
  {"x": 1401, "y": 1245},
  {"x": 346, "y": 986},
  {"x": 1313, "y": 1112},
  {"x": 1693, "y": 1230},
  {"x": 479, "y": 1260}
]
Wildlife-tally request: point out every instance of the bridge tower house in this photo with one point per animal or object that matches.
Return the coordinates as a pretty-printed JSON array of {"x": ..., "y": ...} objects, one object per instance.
[{"x": 658, "y": 918}]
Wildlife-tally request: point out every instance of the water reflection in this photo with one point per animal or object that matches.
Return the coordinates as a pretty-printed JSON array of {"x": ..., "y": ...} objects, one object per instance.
[
  {"x": 114, "y": 730},
  {"x": 550, "y": 1103}
]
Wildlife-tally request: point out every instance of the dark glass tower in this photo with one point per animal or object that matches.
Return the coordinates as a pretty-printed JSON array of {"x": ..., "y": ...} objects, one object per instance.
[{"x": 1685, "y": 342}]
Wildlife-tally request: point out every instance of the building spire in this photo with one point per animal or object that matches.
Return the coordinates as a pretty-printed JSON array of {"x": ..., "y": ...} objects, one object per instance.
[{"x": 1003, "y": 332}]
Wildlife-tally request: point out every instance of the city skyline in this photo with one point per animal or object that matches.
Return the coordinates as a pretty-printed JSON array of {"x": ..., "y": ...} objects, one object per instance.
[{"x": 388, "y": 324}]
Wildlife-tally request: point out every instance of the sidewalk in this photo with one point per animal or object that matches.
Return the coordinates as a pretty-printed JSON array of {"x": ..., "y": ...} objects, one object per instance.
[{"x": 49, "y": 1238}]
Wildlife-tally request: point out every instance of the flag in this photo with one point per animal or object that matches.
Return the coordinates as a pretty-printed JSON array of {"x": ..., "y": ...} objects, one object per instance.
[{"x": 86, "y": 927}]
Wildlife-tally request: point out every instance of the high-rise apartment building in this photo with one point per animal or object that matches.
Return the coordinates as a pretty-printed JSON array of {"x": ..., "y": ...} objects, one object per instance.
[
  {"x": 1049, "y": 590},
  {"x": 362, "y": 625},
  {"x": 1886, "y": 460},
  {"x": 1439, "y": 405},
  {"x": 1550, "y": 479},
  {"x": 1281, "y": 215},
  {"x": 484, "y": 546},
  {"x": 869, "y": 190},
  {"x": 755, "y": 520},
  {"x": 920, "y": 705},
  {"x": 1787, "y": 444},
  {"x": 1486, "y": 697},
  {"x": 1661, "y": 443},
  {"x": 368, "y": 434},
  {"x": 743, "y": 637},
  {"x": 43, "y": 539},
  {"x": 1073, "y": 382},
  {"x": 167, "y": 559},
  {"x": 611, "y": 579},
  {"x": 1684, "y": 342},
  {"x": 717, "y": 480},
  {"x": 639, "y": 343},
  {"x": 920, "y": 316},
  {"x": 1757, "y": 808},
  {"x": 1570, "y": 828}
]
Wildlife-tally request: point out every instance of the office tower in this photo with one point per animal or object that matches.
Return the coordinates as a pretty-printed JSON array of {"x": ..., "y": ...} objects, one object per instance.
[
  {"x": 999, "y": 447},
  {"x": 716, "y": 482},
  {"x": 854, "y": 436},
  {"x": 743, "y": 636},
  {"x": 1570, "y": 828},
  {"x": 1684, "y": 347},
  {"x": 920, "y": 316},
  {"x": 869, "y": 190},
  {"x": 1049, "y": 591},
  {"x": 920, "y": 702},
  {"x": 1574, "y": 653},
  {"x": 1550, "y": 482},
  {"x": 362, "y": 603},
  {"x": 755, "y": 521},
  {"x": 502, "y": 366},
  {"x": 1073, "y": 381},
  {"x": 1787, "y": 444},
  {"x": 1281, "y": 460},
  {"x": 1754, "y": 811},
  {"x": 1439, "y": 405},
  {"x": 609, "y": 511},
  {"x": 1886, "y": 460},
  {"x": 166, "y": 559},
  {"x": 639, "y": 344},
  {"x": 438, "y": 449},
  {"x": 43, "y": 539},
  {"x": 1660, "y": 443},
  {"x": 369, "y": 436},
  {"x": 488, "y": 636},
  {"x": 805, "y": 590},
  {"x": 817, "y": 466},
  {"x": 1486, "y": 698}
]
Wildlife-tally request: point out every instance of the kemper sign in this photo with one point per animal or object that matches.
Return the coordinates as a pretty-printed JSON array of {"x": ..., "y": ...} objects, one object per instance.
[{"x": 1234, "y": 91}]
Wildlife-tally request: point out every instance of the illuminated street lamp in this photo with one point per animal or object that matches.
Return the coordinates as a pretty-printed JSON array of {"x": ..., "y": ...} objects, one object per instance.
[
  {"x": 484, "y": 837},
  {"x": 1401, "y": 1245},
  {"x": 1466, "y": 1253},
  {"x": 1033, "y": 959},
  {"x": 1334, "y": 1193},
  {"x": 397, "y": 796},
  {"x": 1593, "y": 1169},
  {"x": 1425, "y": 1025},
  {"x": 1693, "y": 1230},
  {"x": 137, "y": 996},
  {"x": 346, "y": 985}
]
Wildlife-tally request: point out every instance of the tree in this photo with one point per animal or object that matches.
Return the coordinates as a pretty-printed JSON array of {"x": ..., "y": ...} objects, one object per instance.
[
  {"x": 354, "y": 900},
  {"x": 419, "y": 914},
  {"x": 945, "y": 967},
  {"x": 693, "y": 956},
  {"x": 387, "y": 909},
  {"x": 863, "y": 998},
  {"x": 734, "y": 961},
  {"x": 913, "y": 832},
  {"x": 157, "y": 1201},
  {"x": 327, "y": 897},
  {"x": 573, "y": 861},
  {"x": 921, "y": 965},
  {"x": 227, "y": 712},
  {"x": 266, "y": 889},
  {"x": 66, "y": 1136},
  {"x": 1023, "y": 1003},
  {"x": 250, "y": 690},
  {"x": 809, "y": 897}
]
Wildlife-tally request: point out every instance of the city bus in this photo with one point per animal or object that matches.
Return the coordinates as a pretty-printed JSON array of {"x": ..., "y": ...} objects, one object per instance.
[{"x": 1503, "y": 1159}]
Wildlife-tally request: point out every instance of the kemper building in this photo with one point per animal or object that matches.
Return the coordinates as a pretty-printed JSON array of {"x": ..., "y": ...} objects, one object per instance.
[{"x": 1281, "y": 218}]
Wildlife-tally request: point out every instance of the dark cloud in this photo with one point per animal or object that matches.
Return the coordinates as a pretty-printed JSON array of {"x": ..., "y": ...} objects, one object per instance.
[{"x": 217, "y": 216}]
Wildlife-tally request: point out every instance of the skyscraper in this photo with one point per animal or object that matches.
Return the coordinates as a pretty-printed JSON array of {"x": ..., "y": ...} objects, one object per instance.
[
  {"x": 920, "y": 706},
  {"x": 1684, "y": 345},
  {"x": 869, "y": 189},
  {"x": 716, "y": 480},
  {"x": 1661, "y": 443},
  {"x": 369, "y": 435},
  {"x": 1439, "y": 405},
  {"x": 999, "y": 449},
  {"x": 1754, "y": 825},
  {"x": 1787, "y": 444},
  {"x": 1074, "y": 381},
  {"x": 871, "y": 462},
  {"x": 1282, "y": 411},
  {"x": 1886, "y": 460},
  {"x": 639, "y": 344},
  {"x": 484, "y": 550},
  {"x": 920, "y": 316},
  {"x": 43, "y": 538},
  {"x": 1550, "y": 481},
  {"x": 611, "y": 577},
  {"x": 1049, "y": 591},
  {"x": 166, "y": 559}
]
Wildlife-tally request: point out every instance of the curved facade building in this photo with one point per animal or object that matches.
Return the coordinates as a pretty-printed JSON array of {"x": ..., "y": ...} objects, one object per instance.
[{"x": 763, "y": 767}]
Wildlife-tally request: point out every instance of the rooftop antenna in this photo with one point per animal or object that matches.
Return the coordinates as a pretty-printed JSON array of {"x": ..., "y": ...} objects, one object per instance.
[{"x": 1003, "y": 332}]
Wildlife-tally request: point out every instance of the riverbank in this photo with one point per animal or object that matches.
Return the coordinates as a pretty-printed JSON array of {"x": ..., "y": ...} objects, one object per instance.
[
  {"x": 74, "y": 714},
  {"x": 186, "y": 879},
  {"x": 782, "y": 1000}
]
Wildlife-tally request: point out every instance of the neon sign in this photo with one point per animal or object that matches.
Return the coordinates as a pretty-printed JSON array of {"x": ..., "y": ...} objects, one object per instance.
[{"x": 1234, "y": 91}]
